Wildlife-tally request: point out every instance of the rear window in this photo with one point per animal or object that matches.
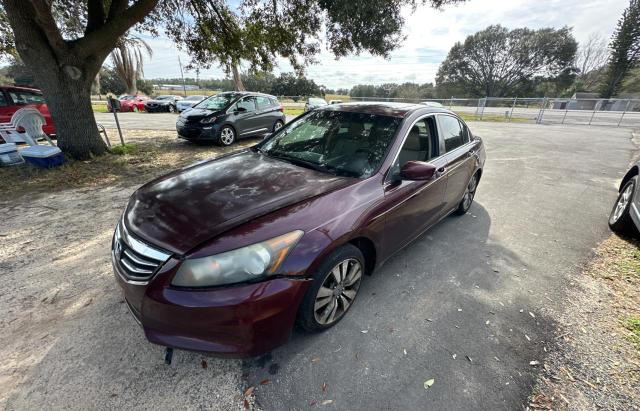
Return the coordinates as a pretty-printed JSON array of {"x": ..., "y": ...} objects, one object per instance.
[
  {"x": 263, "y": 102},
  {"x": 21, "y": 98},
  {"x": 3, "y": 100}
]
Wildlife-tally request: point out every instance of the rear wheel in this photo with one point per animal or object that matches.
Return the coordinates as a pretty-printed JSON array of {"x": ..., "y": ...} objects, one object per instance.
[
  {"x": 172, "y": 109},
  {"x": 334, "y": 289},
  {"x": 469, "y": 194},
  {"x": 278, "y": 125},
  {"x": 227, "y": 136},
  {"x": 620, "y": 218}
]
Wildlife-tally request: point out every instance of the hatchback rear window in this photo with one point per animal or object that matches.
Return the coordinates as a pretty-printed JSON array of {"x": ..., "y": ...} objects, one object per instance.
[
  {"x": 3, "y": 100},
  {"x": 21, "y": 98}
]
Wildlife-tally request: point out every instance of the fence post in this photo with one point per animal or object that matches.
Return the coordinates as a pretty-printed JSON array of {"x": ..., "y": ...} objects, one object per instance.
[
  {"x": 566, "y": 110},
  {"x": 541, "y": 113},
  {"x": 515, "y": 100},
  {"x": 594, "y": 112},
  {"x": 450, "y": 102},
  {"x": 625, "y": 110}
]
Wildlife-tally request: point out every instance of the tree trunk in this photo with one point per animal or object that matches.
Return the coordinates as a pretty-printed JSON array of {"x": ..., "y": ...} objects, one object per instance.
[
  {"x": 69, "y": 103},
  {"x": 237, "y": 78}
]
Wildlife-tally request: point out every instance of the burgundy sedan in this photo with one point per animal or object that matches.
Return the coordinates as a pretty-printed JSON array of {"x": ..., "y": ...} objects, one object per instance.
[{"x": 226, "y": 255}]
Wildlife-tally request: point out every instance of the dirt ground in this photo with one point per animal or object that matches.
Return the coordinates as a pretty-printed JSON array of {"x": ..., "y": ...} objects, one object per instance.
[
  {"x": 596, "y": 363},
  {"x": 66, "y": 338}
]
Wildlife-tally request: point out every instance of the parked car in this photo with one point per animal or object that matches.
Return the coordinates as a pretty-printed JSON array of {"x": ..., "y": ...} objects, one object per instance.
[
  {"x": 129, "y": 103},
  {"x": 229, "y": 116},
  {"x": 625, "y": 215},
  {"x": 225, "y": 255},
  {"x": 166, "y": 103},
  {"x": 313, "y": 102},
  {"x": 431, "y": 103},
  {"x": 13, "y": 99},
  {"x": 188, "y": 102}
]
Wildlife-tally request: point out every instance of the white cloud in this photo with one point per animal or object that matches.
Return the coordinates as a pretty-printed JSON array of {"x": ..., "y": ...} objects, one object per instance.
[{"x": 429, "y": 36}]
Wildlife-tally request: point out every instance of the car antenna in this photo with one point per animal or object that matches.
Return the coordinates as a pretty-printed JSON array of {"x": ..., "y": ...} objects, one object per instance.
[{"x": 168, "y": 355}]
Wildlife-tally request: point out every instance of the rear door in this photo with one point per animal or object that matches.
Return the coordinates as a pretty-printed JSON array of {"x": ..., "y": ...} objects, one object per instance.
[
  {"x": 267, "y": 112},
  {"x": 459, "y": 155}
]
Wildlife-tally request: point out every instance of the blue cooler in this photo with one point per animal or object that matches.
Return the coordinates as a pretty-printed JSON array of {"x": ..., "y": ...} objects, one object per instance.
[
  {"x": 43, "y": 156},
  {"x": 9, "y": 155}
]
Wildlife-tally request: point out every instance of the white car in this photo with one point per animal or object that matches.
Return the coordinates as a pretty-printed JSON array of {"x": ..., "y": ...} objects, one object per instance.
[
  {"x": 188, "y": 102},
  {"x": 431, "y": 103}
]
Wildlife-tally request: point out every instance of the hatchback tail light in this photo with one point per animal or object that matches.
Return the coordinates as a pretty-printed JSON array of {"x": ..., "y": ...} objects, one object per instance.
[{"x": 281, "y": 109}]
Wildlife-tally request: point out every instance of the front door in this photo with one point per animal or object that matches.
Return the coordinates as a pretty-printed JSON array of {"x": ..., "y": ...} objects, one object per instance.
[{"x": 415, "y": 205}]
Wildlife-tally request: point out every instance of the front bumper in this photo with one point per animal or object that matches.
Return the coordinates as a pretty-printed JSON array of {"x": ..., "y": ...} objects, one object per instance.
[
  {"x": 197, "y": 131},
  {"x": 235, "y": 321},
  {"x": 156, "y": 109}
]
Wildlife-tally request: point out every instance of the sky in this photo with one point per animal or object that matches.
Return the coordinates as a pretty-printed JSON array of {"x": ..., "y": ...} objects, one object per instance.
[{"x": 429, "y": 35}]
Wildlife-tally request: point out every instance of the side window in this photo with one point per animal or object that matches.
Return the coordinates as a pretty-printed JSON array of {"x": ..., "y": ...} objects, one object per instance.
[
  {"x": 262, "y": 102},
  {"x": 3, "y": 100},
  {"x": 451, "y": 132},
  {"x": 466, "y": 134},
  {"x": 248, "y": 103},
  {"x": 421, "y": 143},
  {"x": 24, "y": 97}
]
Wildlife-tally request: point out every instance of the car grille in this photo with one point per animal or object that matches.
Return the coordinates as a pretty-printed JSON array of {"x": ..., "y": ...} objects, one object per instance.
[{"x": 136, "y": 261}]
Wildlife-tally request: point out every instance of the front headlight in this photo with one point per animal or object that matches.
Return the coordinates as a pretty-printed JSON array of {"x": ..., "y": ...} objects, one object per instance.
[
  {"x": 208, "y": 120},
  {"x": 243, "y": 264}
]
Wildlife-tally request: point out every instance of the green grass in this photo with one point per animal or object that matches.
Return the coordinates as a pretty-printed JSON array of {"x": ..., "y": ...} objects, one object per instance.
[
  {"x": 99, "y": 108},
  {"x": 293, "y": 111},
  {"x": 632, "y": 324},
  {"x": 492, "y": 117},
  {"x": 127, "y": 148}
]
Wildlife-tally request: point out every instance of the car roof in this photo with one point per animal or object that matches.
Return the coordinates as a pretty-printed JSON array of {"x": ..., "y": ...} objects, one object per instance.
[
  {"x": 386, "y": 109},
  {"x": 249, "y": 93},
  {"x": 18, "y": 88}
]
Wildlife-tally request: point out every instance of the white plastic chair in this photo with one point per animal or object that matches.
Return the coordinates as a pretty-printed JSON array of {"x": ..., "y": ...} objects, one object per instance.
[
  {"x": 31, "y": 120},
  {"x": 9, "y": 133}
]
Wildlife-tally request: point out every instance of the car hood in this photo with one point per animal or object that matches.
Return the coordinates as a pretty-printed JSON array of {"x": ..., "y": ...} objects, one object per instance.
[
  {"x": 187, "y": 207},
  {"x": 196, "y": 114},
  {"x": 158, "y": 101}
]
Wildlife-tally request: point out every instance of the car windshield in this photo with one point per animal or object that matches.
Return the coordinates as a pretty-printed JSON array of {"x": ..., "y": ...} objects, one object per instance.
[
  {"x": 126, "y": 98},
  {"x": 217, "y": 102},
  {"x": 342, "y": 143},
  {"x": 164, "y": 97},
  {"x": 317, "y": 101},
  {"x": 195, "y": 98}
]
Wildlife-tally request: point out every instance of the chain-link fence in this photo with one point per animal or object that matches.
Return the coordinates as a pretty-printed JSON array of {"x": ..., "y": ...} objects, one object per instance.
[{"x": 547, "y": 110}]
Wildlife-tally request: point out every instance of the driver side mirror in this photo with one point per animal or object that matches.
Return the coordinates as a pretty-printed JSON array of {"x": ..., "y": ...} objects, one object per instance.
[
  {"x": 417, "y": 171},
  {"x": 240, "y": 109}
]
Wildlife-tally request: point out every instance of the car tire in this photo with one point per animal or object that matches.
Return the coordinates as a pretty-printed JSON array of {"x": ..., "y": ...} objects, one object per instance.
[
  {"x": 334, "y": 289},
  {"x": 469, "y": 194},
  {"x": 277, "y": 125},
  {"x": 620, "y": 220},
  {"x": 172, "y": 109},
  {"x": 226, "y": 136}
]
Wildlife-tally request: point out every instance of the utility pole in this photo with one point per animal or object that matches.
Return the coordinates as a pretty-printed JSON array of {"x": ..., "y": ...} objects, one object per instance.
[{"x": 184, "y": 88}]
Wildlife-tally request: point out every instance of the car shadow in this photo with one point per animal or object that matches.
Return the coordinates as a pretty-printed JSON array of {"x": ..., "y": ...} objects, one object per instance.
[{"x": 447, "y": 307}]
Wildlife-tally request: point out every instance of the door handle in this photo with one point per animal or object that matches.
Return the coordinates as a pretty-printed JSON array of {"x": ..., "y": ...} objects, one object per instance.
[{"x": 440, "y": 171}]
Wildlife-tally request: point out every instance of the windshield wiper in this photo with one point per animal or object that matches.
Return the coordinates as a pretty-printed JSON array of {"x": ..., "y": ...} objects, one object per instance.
[{"x": 297, "y": 161}]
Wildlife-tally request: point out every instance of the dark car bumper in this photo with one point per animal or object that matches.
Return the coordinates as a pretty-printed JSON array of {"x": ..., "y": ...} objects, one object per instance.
[
  {"x": 156, "y": 109},
  {"x": 197, "y": 132},
  {"x": 236, "y": 321}
]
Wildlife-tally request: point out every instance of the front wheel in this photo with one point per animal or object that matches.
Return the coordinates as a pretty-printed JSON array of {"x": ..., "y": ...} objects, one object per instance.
[
  {"x": 334, "y": 289},
  {"x": 469, "y": 194},
  {"x": 620, "y": 218},
  {"x": 278, "y": 125},
  {"x": 227, "y": 136},
  {"x": 172, "y": 109}
]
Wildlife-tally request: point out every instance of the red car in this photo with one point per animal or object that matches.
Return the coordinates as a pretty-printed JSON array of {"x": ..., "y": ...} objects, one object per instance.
[
  {"x": 130, "y": 103},
  {"x": 13, "y": 99},
  {"x": 227, "y": 254}
]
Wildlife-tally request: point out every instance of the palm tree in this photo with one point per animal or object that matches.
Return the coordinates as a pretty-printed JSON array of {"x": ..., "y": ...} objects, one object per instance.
[{"x": 128, "y": 60}]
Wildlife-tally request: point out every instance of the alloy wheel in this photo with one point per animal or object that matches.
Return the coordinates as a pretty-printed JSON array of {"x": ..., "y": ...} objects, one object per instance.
[
  {"x": 470, "y": 192},
  {"x": 171, "y": 109},
  {"x": 622, "y": 204},
  {"x": 227, "y": 136},
  {"x": 277, "y": 126},
  {"x": 338, "y": 291}
]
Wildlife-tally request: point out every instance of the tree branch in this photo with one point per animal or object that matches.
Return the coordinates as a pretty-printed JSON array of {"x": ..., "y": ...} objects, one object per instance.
[{"x": 95, "y": 15}]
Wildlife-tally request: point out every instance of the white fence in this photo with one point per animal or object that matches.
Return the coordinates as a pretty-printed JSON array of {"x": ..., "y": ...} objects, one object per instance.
[{"x": 609, "y": 112}]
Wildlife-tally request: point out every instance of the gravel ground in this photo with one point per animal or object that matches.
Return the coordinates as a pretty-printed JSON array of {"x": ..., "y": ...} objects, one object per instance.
[
  {"x": 66, "y": 338},
  {"x": 594, "y": 365}
]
